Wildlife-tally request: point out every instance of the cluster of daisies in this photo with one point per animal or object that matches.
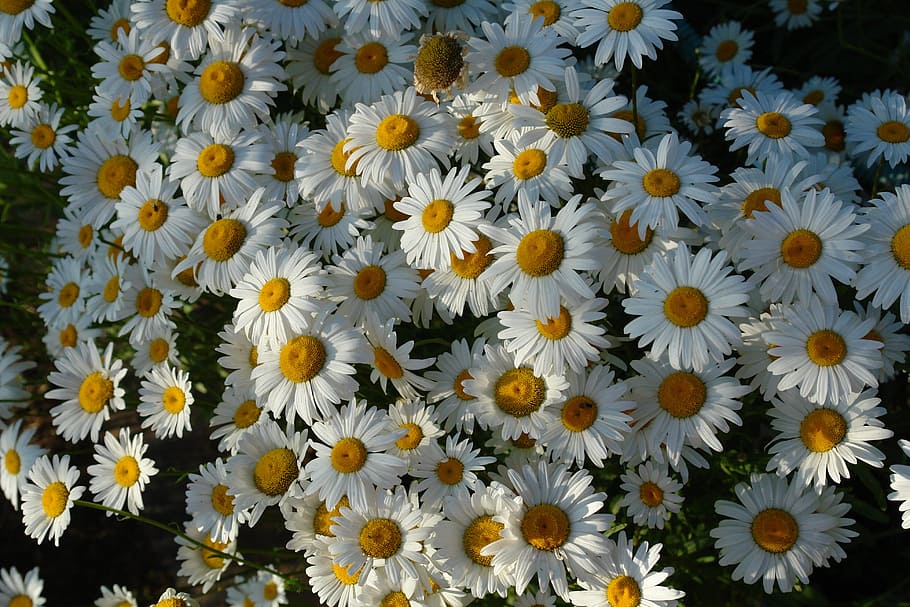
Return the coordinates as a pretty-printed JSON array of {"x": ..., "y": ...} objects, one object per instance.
[{"x": 460, "y": 180}]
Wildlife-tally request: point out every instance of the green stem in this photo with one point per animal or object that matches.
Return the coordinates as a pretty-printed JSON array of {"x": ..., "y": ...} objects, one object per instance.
[{"x": 878, "y": 174}]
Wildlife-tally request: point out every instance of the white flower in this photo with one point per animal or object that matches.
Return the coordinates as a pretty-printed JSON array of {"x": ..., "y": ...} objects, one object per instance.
[
  {"x": 121, "y": 471},
  {"x": 48, "y": 497}
]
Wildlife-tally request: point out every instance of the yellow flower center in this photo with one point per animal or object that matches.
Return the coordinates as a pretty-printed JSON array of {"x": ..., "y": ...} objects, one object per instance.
[
  {"x": 726, "y": 50},
  {"x": 324, "y": 518},
  {"x": 523, "y": 441},
  {"x": 54, "y": 499},
  {"x": 801, "y": 248},
  {"x": 579, "y": 413},
  {"x": 797, "y": 7},
  {"x": 397, "y": 132},
  {"x": 450, "y": 471},
  {"x": 253, "y": 358},
  {"x": 369, "y": 283},
  {"x": 329, "y": 217},
  {"x": 43, "y": 136},
  {"x": 171, "y": 602},
  {"x": 512, "y": 61},
  {"x": 893, "y": 131},
  {"x": 343, "y": 576},
  {"x": 12, "y": 462},
  {"x": 211, "y": 559},
  {"x": 274, "y": 294},
  {"x": 340, "y": 158},
  {"x": 556, "y": 328},
  {"x": 187, "y": 277},
  {"x": 247, "y": 414},
  {"x": 116, "y": 173},
  {"x": 173, "y": 400},
  {"x": 18, "y": 96},
  {"x": 120, "y": 25},
  {"x": 131, "y": 67},
  {"x": 650, "y": 494},
  {"x": 472, "y": 265},
  {"x": 458, "y": 385},
  {"x": 568, "y": 119},
  {"x": 481, "y": 532},
  {"x": 758, "y": 200},
  {"x": 159, "y": 349},
  {"x": 386, "y": 364},
  {"x": 348, "y": 455},
  {"x": 222, "y": 502},
  {"x": 439, "y": 62},
  {"x": 302, "y": 358},
  {"x": 412, "y": 439},
  {"x": 826, "y": 348},
  {"x": 148, "y": 302},
  {"x": 900, "y": 246},
  {"x": 518, "y": 392},
  {"x": 275, "y": 471},
  {"x": 814, "y": 97},
  {"x": 380, "y": 538},
  {"x": 391, "y": 213},
  {"x": 623, "y": 591},
  {"x": 834, "y": 135},
  {"x": 469, "y": 127},
  {"x": 545, "y": 526},
  {"x": 188, "y": 13},
  {"x": 775, "y": 530},
  {"x": 111, "y": 289},
  {"x": 270, "y": 591},
  {"x": 736, "y": 94},
  {"x": 85, "y": 235},
  {"x": 14, "y": 7},
  {"x": 396, "y": 598},
  {"x": 152, "y": 215},
  {"x": 682, "y": 394},
  {"x": 284, "y": 163},
  {"x": 437, "y": 215},
  {"x": 822, "y": 430},
  {"x": 68, "y": 336},
  {"x": 660, "y": 183},
  {"x": 641, "y": 127},
  {"x": 126, "y": 471},
  {"x": 20, "y": 600},
  {"x": 540, "y": 252},
  {"x": 223, "y": 238},
  {"x": 68, "y": 295},
  {"x": 625, "y": 16},
  {"x": 624, "y": 235},
  {"x": 773, "y": 125},
  {"x": 221, "y": 82},
  {"x": 547, "y": 9},
  {"x": 94, "y": 392},
  {"x": 325, "y": 55},
  {"x": 215, "y": 160},
  {"x": 529, "y": 163},
  {"x": 371, "y": 58},
  {"x": 685, "y": 307}
]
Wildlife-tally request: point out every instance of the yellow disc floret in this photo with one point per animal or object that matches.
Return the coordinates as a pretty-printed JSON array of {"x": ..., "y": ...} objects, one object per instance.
[
  {"x": 518, "y": 392},
  {"x": 152, "y": 215},
  {"x": 223, "y": 239},
  {"x": 685, "y": 306},
  {"x": 437, "y": 215},
  {"x": 188, "y": 13},
  {"x": 450, "y": 471},
  {"x": 54, "y": 499},
  {"x": 545, "y": 527},
  {"x": 556, "y": 328},
  {"x": 529, "y": 164},
  {"x": 397, "y": 132},
  {"x": 275, "y": 471},
  {"x": 126, "y": 471},
  {"x": 801, "y": 248},
  {"x": 822, "y": 430},
  {"x": 274, "y": 294},
  {"x": 623, "y": 591},
  {"x": 221, "y": 82},
  {"x": 116, "y": 173},
  {"x": 302, "y": 358},
  {"x": 173, "y": 400},
  {"x": 826, "y": 348},
  {"x": 215, "y": 160},
  {"x": 369, "y": 283},
  {"x": 94, "y": 392},
  {"x": 386, "y": 364},
  {"x": 371, "y": 58},
  {"x": 579, "y": 413},
  {"x": 568, "y": 119},
  {"x": 512, "y": 61},
  {"x": 682, "y": 394},
  {"x": 222, "y": 502},
  {"x": 773, "y": 125},
  {"x": 540, "y": 252},
  {"x": 348, "y": 455},
  {"x": 479, "y": 533},
  {"x": 625, "y": 16},
  {"x": 775, "y": 530},
  {"x": 380, "y": 538},
  {"x": 900, "y": 246},
  {"x": 661, "y": 183}
]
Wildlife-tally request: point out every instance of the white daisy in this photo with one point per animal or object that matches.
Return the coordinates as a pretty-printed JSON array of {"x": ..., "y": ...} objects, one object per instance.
[
  {"x": 292, "y": 21},
  {"x": 449, "y": 474},
  {"x": 887, "y": 329},
  {"x": 126, "y": 68},
  {"x": 64, "y": 302},
  {"x": 16, "y": 459},
  {"x": 20, "y": 95},
  {"x": 310, "y": 65},
  {"x": 166, "y": 398},
  {"x": 469, "y": 139},
  {"x": 108, "y": 22},
  {"x": 795, "y": 15},
  {"x": 462, "y": 283},
  {"x": 237, "y": 412},
  {"x": 753, "y": 357},
  {"x": 556, "y": 14},
  {"x": 203, "y": 564},
  {"x": 878, "y": 127},
  {"x": 651, "y": 495},
  {"x": 12, "y": 389},
  {"x": 464, "y": 17},
  {"x": 88, "y": 383},
  {"x": 147, "y": 309},
  {"x": 392, "y": 362},
  {"x": 117, "y": 595},
  {"x": 900, "y": 483},
  {"x": 27, "y": 590},
  {"x": 45, "y": 142},
  {"x": 422, "y": 426},
  {"x": 820, "y": 90},
  {"x": 172, "y": 598},
  {"x": 309, "y": 519},
  {"x": 734, "y": 80},
  {"x": 699, "y": 117},
  {"x": 285, "y": 136},
  {"x": 389, "y": 16},
  {"x": 531, "y": 171},
  {"x": 372, "y": 65},
  {"x": 453, "y": 404},
  {"x": 49, "y": 496},
  {"x": 58, "y": 340},
  {"x": 186, "y": 27},
  {"x": 241, "y": 356},
  {"x": 121, "y": 472},
  {"x": 24, "y": 14},
  {"x": 329, "y": 230},
  {"x": 158, "y": 349},
  {"x": 648, "y": 116},
  {"x": 724, "y": 44},
  {"x": 210, "y": 504},
  {"x": 335, "y": 585}
]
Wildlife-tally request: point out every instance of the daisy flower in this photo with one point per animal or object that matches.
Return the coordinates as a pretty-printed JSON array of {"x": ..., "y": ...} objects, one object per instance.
[
  {"x": 834, "y": 173},
  {"x": 147, "y": 309},
  {"x": 878, "y": 127},
  {"x": 76, "y": 237},
  {"x": 310, "y": 519},
  {"x": 820, "y": 90},
  {"x": 554, "y": 529},
  {"x": 221, "y": 168},
  {"x": 900, "y": 483},
  {"x": 449, "y": 474},
  {"x": 121, "y": 472},
  {"x": 278, "y": 294},
  {"x": 540, "y": 256},
  {"x": 775, "y": 533},
  {"x": 285, "y": 136},
  {"x": 818, "y": 441},
  {"x": 267, "y": 588},
  {"x": 372, "y": 66},
  {"x": 624, "y": 29},
  {"x": 397, "y": 138},
  {"x": 556, "y": 14},
  {"x": 795, "y": 15},
  {"x": 350, "y": 456},
  {"x": 772, "y": 125},
  {"x": 684, "y": 304},
  {"x": 886, "y": 271},
  {"x": 440, "y": 69},
  {"x": 516, "y": 60},
  {"x": 186, "y": 27},
  {"x": 593, "y": 419},
  {"x": 108, "y": 22},
  {"x": 156, "y": 223},
  {"x": 126, "y": 68},
  {"x": 267, "y": 469},
  {"x": 49, "y": 496},
  {"x": 166, "y": 398},
  {"x": 58, "y": 340},
  {"x": 223, "y": 251},
  {"x": 210, "y": 504},
  {"x": 797, "y": 247},
  {"x": 43, "y": 142},
  {"x": 379, "y": 18},
  {"x": 392, "y": 362},
  {"x": 658, "y": 185},
  {"x": 463, "y": 17},
  {"x": 685, "y": 406},
  {"x": 511, "y": 397},
  {"x": 16, "y": 588},
  {"x": 368, "y": 283},
  {"x": 387, "y": 532},
  {"x": 292, "y": 21},
  {"x": 824, "y": 351},
  {"x": 16, "y": 459},
  {"x": 159, "y": 348},
  {"x": 753, "y": 357},
  {"x": 237, "y": 412},
  {"x": 648, "y": 116},
  {"x": 64, "y": 302},
  {"x": 530, "y": 171},
  {"x": 887, "y": 329},
  {"x": 312, "y": 370},
  {"x": 241, "y": 356},
  {"x": 699, "y": 117},
  {"x": 462, "y": 284},
  {"x": 310, "y": 65},
  {"x": 330, "y": 230},
  {"x": 335, "y": 585},
  {"x": 88, "y": 383},
  {"x": 201, "y": 564},
  {"x": 11, "y": 386},
  {"x": 116, "y": 596},
  {"x": 442, "y": 217},
  {"x": 651, "y": 495},
  {"x": 20, "y": 95},
  {"x": 236, "y": 82},
  {"x": 453, "y": 404},
  {"x": 726, "y": 43},
  {"x": 421, "y": 424},
  {"x": 101, "y": 166},
  {"x": 571, "y": 339},
  {"x": 24, "y": 13}
]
